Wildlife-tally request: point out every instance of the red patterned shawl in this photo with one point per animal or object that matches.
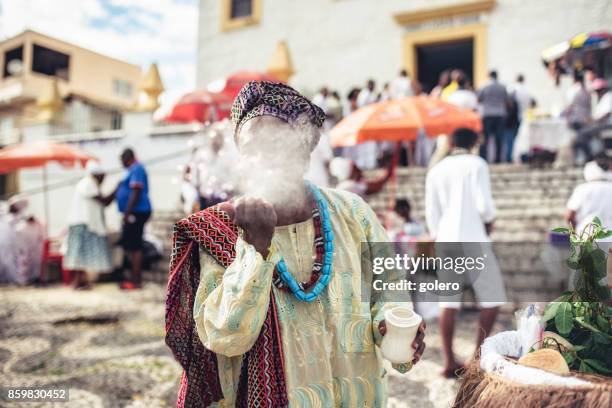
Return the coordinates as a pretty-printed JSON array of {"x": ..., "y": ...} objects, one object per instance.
[{"x": 262, "y": 382}]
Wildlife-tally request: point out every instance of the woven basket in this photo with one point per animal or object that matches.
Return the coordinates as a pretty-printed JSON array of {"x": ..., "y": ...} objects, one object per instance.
[{"x": 480, "y": 389}]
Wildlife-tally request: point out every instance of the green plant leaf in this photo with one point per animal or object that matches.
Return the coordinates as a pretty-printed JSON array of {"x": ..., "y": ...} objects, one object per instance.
[
  {"x": 564, "y": 318},
  {"x": 598, "y": 257},
  {"x": 602, "y": 292},
  {"x": 597, "y": 221},
  {"x": 586, "y": 325},
  {"x": 596, "y": 366},
  {"x": 603, "y": 324},
  {"x": 575, "y": 257},
  {"x": 569, "y": 358},
  {"x": 603, "y": 234},
  {"x": 561, "y": 230},
  {"x": 585, "y": 368},
  {"x": 601, "y": 338},
  {"x": 578, "y": 348},
  {"x": 551, "y": 310},
  {"x": 572, "y": 264}
]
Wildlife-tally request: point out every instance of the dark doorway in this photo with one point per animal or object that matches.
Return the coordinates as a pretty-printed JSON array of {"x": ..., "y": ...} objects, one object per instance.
[{"x": 435, "y": 58}]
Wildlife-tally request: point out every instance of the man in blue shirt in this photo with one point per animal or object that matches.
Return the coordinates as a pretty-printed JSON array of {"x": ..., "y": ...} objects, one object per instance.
[{"x": 132, "y": 197}]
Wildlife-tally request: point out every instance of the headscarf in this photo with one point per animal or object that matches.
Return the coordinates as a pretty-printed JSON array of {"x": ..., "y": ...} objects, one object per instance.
[
  {"x": 262, "y": 98},
  {"x": 593, "y": 172}
]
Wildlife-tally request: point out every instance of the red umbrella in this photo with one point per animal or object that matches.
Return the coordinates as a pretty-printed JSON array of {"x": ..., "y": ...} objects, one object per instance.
[
  {"x": 200, "y": 106},
  {"x": 232, "y": 84},
  {"x": 215, "y": 102}
]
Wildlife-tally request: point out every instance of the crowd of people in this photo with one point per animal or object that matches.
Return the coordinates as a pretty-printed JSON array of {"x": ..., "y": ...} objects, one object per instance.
[
  {"x": 86, "y": 248},
  {"x": 502, "y": 108},
  {"x": 459, "y": 207}
]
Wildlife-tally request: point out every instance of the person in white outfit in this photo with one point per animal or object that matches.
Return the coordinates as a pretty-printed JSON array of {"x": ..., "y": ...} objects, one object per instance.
[
  {"x": 402, "y": 86},
  {"x": 87, "y": 249},
  {"x": 365, "y": 155},
  {"x": 593, "y": 199},
  {"x": 14, "y": 253},
  {"x": 463, "y": 97},
  {"x": 459, "y": 209}
]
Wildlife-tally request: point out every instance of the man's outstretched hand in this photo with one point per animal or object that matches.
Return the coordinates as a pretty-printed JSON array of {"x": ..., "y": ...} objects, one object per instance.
[
  {"x": 418, "y": 344},
  {"x": 257, "y": 218}
]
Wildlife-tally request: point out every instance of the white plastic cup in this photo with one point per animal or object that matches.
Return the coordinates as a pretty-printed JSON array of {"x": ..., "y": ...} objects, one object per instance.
[{"x": 402, "y": 327}]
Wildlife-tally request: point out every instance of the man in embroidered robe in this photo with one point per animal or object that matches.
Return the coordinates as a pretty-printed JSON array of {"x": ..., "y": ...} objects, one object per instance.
[{"x": 242, "y": 337}]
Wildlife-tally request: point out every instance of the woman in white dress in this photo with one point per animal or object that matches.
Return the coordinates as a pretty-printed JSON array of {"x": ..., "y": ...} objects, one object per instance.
[{"x": 87, "y": 249}]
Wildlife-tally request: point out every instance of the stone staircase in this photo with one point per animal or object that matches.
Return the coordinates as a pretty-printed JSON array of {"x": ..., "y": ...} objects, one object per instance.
[{"x": 530, "y": 202}]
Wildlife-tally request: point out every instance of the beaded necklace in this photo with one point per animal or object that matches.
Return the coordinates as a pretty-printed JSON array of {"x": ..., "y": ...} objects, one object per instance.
[{"x": 324, "y": 251}]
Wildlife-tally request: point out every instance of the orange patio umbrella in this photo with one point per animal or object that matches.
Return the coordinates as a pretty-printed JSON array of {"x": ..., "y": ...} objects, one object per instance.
[
  {"x": 402, "y": 119},
  {"x": 38, "y": 154}
]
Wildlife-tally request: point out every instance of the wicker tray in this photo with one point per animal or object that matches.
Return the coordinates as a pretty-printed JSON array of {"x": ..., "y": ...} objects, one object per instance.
[{"x": 479, "y": 389}]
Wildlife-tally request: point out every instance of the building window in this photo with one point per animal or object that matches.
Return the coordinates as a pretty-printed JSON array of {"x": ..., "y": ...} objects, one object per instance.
[
  {"x": 237, "y": 14},
  {"x": 50, "y": 62},
  {"x": 122, "y": 88},
  {"x": 241, "y": 8},
  {"x": 116, "y": 120},
  {"x": 13, "y": 62}
]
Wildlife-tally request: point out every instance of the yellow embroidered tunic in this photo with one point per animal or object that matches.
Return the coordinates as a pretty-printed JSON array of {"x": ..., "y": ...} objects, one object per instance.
[{"x": 329, "y": 352}]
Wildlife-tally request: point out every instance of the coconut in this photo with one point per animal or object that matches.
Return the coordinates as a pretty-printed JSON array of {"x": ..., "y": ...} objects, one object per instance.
[{"x": 547, "y": 360}]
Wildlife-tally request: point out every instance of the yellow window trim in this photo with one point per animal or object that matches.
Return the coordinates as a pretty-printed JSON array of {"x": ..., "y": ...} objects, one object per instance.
[
  {"x": 476, "y": 32},
  {"x": 228, "y": 23},
  {"x": 420, "y": 16}
]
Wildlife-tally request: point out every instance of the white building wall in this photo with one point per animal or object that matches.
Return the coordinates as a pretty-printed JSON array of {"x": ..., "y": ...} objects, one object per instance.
[
  {"x": 341, "y": 43},
  {"x": 335, "y": 42}
]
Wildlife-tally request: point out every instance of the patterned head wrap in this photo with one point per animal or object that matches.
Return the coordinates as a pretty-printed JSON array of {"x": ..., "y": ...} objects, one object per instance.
[{"x": 262, "y": 98}]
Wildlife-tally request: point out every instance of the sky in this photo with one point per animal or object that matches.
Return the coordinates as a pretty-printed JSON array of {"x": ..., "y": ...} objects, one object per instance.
[{"x": 137, "y": 31}]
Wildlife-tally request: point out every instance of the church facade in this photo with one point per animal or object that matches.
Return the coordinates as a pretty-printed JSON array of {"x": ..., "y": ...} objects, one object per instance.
[{"x": 342, "y": 43}]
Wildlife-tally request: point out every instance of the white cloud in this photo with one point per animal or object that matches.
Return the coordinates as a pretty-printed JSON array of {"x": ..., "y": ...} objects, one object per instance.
[{"x": 137, "y": 31}]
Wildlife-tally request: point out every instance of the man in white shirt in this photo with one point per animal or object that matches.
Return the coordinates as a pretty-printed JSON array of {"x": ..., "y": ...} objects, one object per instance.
[
  {"x": 320, "y": 99},
  {"x": 459, "y": 208},
  {"x": 522, "y": 95},
  {"x": 401, "y": 86},
  {"x": 367, "y": 94},
  {"x": 365, "y": 155},
  {"x": 593, "y": 198},
  {"x": 463, "y": 97}
]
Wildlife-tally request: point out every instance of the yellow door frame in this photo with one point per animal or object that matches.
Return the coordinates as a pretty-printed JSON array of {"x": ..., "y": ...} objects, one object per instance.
[{"x": 475, "y": 32}]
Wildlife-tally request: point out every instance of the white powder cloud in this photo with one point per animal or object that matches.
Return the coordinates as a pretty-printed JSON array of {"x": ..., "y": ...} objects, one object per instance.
[{"x": 137, "y": 31}]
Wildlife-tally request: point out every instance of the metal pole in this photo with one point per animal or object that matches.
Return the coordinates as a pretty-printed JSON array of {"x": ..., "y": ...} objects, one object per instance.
[{"x": 46, "y": 200}]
